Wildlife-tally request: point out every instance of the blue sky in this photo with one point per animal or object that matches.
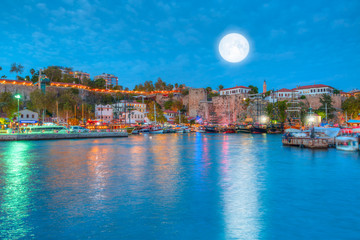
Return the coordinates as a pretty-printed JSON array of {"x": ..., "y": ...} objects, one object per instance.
[{"x": 291, "y": 42}]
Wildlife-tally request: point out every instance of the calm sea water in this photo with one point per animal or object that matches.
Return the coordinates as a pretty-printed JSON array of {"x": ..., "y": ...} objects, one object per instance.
[{"x": 191, "y": 186}]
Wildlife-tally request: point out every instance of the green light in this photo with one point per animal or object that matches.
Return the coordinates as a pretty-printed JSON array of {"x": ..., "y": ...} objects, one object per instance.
[{"x": 18, "y": 96}]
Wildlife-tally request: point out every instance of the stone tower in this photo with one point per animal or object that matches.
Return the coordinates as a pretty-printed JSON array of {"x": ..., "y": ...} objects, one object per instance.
[{"x": 264, "y": 87}]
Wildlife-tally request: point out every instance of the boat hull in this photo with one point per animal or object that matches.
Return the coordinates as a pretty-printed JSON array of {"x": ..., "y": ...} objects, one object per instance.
[{"x": 157, "y": 131}]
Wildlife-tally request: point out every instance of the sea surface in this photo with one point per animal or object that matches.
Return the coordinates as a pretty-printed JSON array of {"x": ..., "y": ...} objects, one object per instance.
[{"x": 177, "y": 186}]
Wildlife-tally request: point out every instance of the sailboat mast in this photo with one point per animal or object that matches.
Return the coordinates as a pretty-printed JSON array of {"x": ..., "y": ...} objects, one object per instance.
[{"x": 155, "y": 112}]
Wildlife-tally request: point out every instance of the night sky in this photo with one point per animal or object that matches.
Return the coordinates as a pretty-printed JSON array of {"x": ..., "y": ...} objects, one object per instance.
[{"x": 291, "y": 43}]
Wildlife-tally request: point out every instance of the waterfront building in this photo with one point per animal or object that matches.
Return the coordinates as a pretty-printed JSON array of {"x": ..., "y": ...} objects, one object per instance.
[
  {"x": 171, "y": 115},
  {"x": 104, "y": 113},
  {"x": 27, "y": 116},
  {"x": 109, "y": 78},
  {"x": 141, "y": 107},
  {"x": 316, "y": 89},
  {"x": 235, "y": 90},
  {"x": 134, "y": 116}
]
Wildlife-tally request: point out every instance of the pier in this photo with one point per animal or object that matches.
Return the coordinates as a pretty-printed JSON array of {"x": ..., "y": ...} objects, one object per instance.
[{"x": 57, "y": 136}]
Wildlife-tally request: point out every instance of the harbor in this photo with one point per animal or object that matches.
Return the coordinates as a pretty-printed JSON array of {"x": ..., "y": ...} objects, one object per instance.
[{"x": 183, "y": 181}]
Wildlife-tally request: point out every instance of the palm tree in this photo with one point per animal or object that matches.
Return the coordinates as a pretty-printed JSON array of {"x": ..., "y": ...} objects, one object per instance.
[{"x": 17, "y": 68}]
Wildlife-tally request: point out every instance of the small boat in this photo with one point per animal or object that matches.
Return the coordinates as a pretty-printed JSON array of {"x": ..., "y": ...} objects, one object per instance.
[
  {"x": 200, "y": 129},
  {"x": 274, "y": 129},
  {"x": 243, "y": 129},
  {"x": 156, "y": 130},
  {"x": 186, "y": 129},
  {"x": 347, "y": 143},
  {"x": 210, "y": 129},
  {"x": 179, "y": 130},
  {"x": 144, "y": 130},
  {"x": 258, "y": 129},
  {"x": 229, "y": 130}
]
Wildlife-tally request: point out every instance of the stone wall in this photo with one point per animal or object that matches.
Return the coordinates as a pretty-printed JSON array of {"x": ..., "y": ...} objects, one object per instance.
[
  {"x": 196, "y": 95},
  {"x": 314, "y": 101},
  {"x": 225, "y": 109},
  {"x": 24, "y": 91}
]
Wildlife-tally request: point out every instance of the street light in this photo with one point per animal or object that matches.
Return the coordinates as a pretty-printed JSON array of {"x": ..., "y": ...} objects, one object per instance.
[{"x": 18, "y": 96}]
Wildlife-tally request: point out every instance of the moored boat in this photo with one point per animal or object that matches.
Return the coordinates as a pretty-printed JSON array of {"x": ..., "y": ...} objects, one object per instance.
[
  {"x": 347, "y": 143},
  {"x": 200, "y": 129},
  {"x": 258, "y": 129},
  {"x": 210, "y": 129},
  {"x": 243, "y": 129},
  {"x": 156, "y": 130}
]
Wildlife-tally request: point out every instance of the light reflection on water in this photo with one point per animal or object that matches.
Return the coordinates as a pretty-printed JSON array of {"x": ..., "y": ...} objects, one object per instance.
[
  {"x": 15, "y": 192},
  {"x": 190, "y": 186}
]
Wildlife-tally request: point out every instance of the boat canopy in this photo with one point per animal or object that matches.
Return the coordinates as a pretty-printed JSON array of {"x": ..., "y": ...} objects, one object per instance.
[
  {"x": 346, "y": 138},
  {"x": 331, "y": 132},
  {"x": 354, "y": 121}
]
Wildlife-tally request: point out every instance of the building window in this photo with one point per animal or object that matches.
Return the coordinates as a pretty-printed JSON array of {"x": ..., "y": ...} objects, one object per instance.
[
  {"x": 27, "y": 115},
  {"x": 33, "y": 116},
  {"x": 22, "y": 115}
]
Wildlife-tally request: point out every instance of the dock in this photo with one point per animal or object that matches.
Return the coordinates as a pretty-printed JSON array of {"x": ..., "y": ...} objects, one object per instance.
[
  {"x": 57, "y": 136},
  {"x": 314, "y": 143}
]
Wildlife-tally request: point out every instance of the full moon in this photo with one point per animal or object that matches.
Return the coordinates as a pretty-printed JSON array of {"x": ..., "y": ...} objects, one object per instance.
[{"x": 234, "y": 47}]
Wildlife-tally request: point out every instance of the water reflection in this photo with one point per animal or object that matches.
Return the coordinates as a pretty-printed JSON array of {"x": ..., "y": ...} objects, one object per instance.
[
  {"x": 241, "y": 191},
  {"x": 15, "y": 199}
]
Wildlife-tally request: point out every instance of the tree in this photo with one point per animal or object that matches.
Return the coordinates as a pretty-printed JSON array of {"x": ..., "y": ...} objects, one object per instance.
[
  {"x": 270, "y": 111},
  {"x": 32, "y": 71},
  {"x": 351, "y": 106},
  {"x": 253, "y": 90},
  {"x": 282, "y": 107},
  {"x": 37, "y": 101},
  {"x": 160, "y": 85},
  {"x": 208, "y": 90},
  {"x": 16, "y": 68},
  {"x": 159, "y": 113},
  {"x": 168, "y": 104},
  {"x": 8, "y": 104},
  {"x": 326, "y": 106},
  {"x": 185, "y": 91},
  {"x": 35, "y": 77},
  {"x": 336, "y": 91},
  {"x": 220, "y": 87},
  {"x": 53, "y": 73},
  {"x": 99, "y": 83}
]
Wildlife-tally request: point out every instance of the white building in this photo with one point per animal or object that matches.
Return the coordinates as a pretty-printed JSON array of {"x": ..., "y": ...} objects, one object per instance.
[
  {"x": 315, "y": 89},
  {"x": 286, "y": 93},
  {"x": 141, "y": 107},
  {"x": 134, "y": 117},
  {"x": 235, "y": 90},
  {"x": 104, "y": 113},
  {"x": 27, "y": 116},
  {"x": 171, "y": 115}
]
